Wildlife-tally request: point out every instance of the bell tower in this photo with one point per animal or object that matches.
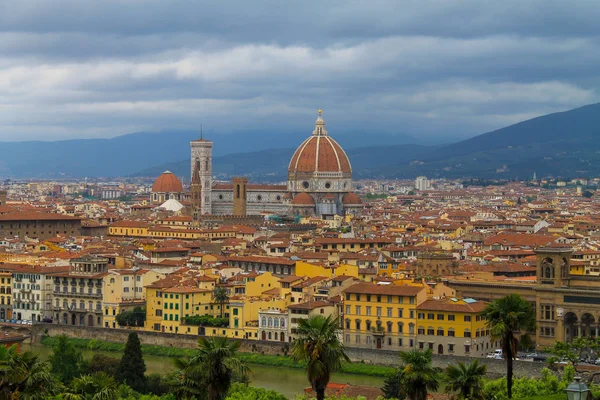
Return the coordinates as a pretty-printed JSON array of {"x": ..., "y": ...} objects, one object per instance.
[
  {"x": 239, "y": 195},
  {"x": 553, "y": 266},
  {"x": 201, "y": 158},
  {"x": 196, "y": 194}
]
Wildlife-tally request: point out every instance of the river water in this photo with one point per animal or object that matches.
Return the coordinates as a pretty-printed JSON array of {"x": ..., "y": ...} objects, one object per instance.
[{"x": 288, "y": 381}]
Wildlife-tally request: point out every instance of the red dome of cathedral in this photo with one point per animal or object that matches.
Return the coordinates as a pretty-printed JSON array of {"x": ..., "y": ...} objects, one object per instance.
[
  {"x": 319, "y": 153},
  {"x": 167, "y": 182},
  {"x": 351, "y": 199},
  {"x": 303, "y": 199}
]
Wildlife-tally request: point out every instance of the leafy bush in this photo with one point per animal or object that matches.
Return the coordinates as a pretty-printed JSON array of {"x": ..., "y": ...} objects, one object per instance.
[
  {"x": 240, "y": 391},
  {"x": 132, "y": 318},
  {"x": 206, "y": 320},
  {"x": 526, "y": 388}
]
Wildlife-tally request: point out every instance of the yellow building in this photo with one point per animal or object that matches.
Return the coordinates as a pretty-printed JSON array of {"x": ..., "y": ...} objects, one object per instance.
[
  {"x": 453, "y": 326},
  {"x": 124, "y": 290},
  {"x": 5, "y": 294},
  {"x": 129, "y": 229},
  {"x": 379, "y": 316}
]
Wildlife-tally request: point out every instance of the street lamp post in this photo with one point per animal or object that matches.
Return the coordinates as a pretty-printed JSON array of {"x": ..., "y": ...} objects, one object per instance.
[{"x": 577, "y": 390}]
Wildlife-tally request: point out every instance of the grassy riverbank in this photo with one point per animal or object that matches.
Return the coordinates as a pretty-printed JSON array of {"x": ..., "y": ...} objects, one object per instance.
[{"x": 250, "y": 358}]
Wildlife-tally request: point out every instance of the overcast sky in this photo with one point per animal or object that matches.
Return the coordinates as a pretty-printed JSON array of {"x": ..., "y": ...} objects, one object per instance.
[{"x": 89, "y": 68}]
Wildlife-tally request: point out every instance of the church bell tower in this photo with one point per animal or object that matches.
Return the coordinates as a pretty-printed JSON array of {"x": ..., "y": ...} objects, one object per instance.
[{"x": 196, "y": 193}]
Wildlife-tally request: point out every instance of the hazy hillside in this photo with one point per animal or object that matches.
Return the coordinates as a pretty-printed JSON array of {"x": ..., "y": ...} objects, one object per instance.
[
  {"x": 560, "y": 144},
  {"x": 129, "y": 154},
  {"x": 272, "y": 165}
]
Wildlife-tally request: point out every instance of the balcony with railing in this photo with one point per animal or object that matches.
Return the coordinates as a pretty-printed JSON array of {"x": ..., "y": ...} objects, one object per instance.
[{"x": 378, "y": 330}]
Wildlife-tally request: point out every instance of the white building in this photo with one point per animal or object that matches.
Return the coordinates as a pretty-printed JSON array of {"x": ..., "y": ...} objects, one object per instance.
[
  {"x": 32, "y": 294},
  {"x": 422, "y": 183},
  {"x": 273, "y": 325}
]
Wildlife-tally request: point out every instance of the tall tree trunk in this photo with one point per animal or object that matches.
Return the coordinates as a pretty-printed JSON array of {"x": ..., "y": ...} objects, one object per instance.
[
  {"x": 320, "y": 394},
  {"x": 509, "y": 363}
]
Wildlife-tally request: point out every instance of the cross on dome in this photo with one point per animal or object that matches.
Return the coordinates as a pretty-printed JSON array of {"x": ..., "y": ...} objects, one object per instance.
[{"x": 320, "y": 125}]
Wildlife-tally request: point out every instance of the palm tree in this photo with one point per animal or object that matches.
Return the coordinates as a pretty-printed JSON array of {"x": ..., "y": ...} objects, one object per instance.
[
  {"x": 98, "y": 386},
  {"x": 318, "y": 344},
  {"x": 211, "y": 370},
  {"x": 505, "y": 317},
  {"x": 24, "y": 375},
  {"x": 220, "y": 296},
  {"x": 417, "y": 374},
  {"x": 466, "y": 380}
]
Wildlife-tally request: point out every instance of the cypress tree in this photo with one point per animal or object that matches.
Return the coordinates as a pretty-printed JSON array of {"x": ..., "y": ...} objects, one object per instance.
[{"x": 131, "y": 368}]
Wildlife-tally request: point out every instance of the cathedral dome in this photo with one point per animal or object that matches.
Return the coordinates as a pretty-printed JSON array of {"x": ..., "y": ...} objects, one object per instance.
[
  {"x": 167, "y": 182},
  {"x": 320, "y": 154},
  {"x": 351, "y": 199},
  {"x": 303, "y": 199}
]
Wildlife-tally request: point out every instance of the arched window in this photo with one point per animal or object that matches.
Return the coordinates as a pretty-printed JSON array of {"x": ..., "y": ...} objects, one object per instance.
[
  {"x": 368, "y": 325},
  {"x": 112, "y": 280},
  {"x": 82, "y": 305},
  {"x": 263, "y": 322},
  {"x": 421, "y": 330},
  {"x": 548, "y": 273},
  {"x": 276, "y": 323},
  {"x": 282, "y": 322},
  {"x": 357, "y": 325},
  {"x": 400, "y": 328},
  {"x": 270, "y": 323}
]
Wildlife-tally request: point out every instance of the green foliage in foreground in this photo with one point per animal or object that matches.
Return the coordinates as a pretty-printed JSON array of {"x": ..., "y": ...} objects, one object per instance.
[
  {"x": 240, "y": 391},
  {"x": 526, "y": 388},
  {"x": 248, "y": 358}
]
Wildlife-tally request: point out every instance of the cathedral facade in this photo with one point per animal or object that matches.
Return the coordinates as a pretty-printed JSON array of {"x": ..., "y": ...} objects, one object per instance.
[{"x": 319, "y": 183}]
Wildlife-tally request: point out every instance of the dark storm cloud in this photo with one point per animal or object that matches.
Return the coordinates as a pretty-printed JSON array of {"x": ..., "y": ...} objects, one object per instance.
[{"x": 88, "y": 68}]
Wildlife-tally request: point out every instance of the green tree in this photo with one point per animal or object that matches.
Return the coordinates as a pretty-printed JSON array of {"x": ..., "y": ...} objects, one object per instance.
[
  {"x": 24, "y": 376},
  {"x": 505, "y": 317},
  {"x": 417, "y": 375},
  {"x": 318, "y": 345},
  {"x": 65, "y": 360},
  {"x": 131, "y": 368},
  {"x": 92, "y": 387},
  {"x": 466, "y": 381},
  {"x": 587, "y": 194},
  {"x": 103, "y": 363},
  {"x": 211, "y": 371},
  {"x": 221, "y": 297},
  {"x": 392, "y": 386},
  {"x": 132, "y": 318}
]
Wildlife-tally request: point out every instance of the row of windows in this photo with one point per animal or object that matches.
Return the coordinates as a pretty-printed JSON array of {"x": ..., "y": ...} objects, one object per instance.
[
  {"x": 26, "y": 286},
  {"x": 82, "y": 305},
  {"x": 389, "y": 326},
  {"x": 369, "y": 340},
  {"x": 27, "y": 306},
  {"x": 451, "y": 332},
  {"x": 5, "y": 281},
  {"x": 451, "y": 317},
  {"x": 379, "y": 310},
  {"x": 271, "y": 322},
  {"x": 379, "y": 298}
]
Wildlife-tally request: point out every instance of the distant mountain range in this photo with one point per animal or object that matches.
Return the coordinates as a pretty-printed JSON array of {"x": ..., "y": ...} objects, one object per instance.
[
  {"x": 129, "y": 154},
  {"x": 563, "y": 144}
]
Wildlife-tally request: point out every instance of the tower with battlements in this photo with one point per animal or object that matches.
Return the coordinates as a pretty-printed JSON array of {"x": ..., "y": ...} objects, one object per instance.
[{"x": 201, "y": 158}]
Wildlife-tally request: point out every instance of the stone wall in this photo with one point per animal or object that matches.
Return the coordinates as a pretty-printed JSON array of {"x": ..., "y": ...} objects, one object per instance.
[{"x": 496, "y": 368}]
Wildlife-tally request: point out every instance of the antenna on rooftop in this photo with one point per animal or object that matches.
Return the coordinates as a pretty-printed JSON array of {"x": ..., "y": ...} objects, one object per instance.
[{"x": 201, "y": 134}]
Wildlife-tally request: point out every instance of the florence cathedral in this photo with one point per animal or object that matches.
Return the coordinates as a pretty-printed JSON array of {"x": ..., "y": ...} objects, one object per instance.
[{"x": 319, "y": 183}]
